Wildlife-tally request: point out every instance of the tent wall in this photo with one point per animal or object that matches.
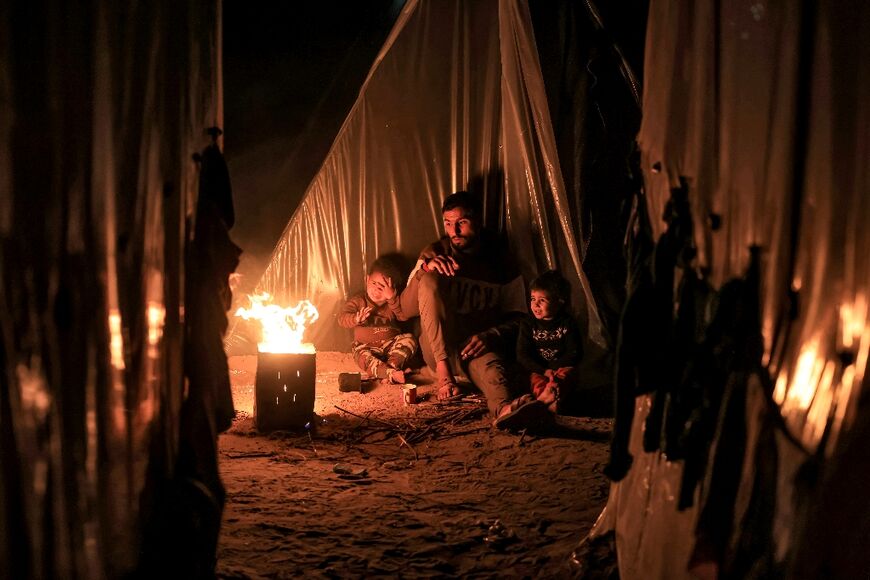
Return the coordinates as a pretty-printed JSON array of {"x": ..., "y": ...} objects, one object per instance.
[
  {"x": 101, "y": 106},
  {"x": 454, "y": 101},
  {"x": 763, "y": 108},
  {"x": 592, "y": 62}
]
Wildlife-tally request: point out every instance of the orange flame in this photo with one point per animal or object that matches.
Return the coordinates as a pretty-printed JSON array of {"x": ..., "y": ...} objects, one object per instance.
[{"x": 282, "y": 328}]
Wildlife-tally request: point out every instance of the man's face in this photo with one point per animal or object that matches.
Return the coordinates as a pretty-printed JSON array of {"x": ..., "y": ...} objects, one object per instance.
[{"x": 461, "y": 227}]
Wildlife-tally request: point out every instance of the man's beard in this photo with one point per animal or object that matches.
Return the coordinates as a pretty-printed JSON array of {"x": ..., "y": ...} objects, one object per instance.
[{"x": 468, "y": 243}]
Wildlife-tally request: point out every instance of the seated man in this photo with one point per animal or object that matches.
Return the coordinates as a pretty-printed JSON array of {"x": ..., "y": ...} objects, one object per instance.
[{"x": 467, "y": 293}]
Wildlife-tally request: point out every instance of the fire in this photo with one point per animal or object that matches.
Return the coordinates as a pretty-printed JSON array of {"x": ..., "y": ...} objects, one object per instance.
[{"x": 282, "y": 328}]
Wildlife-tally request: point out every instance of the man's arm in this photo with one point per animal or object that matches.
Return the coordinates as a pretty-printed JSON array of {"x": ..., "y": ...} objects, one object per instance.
[
  {"x": 395, "y": 306},
  {"x": 512, "y": 305}
]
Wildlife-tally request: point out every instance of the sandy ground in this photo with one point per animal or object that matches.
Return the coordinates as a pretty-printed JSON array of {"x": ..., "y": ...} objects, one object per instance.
[{"x": 351, "y": 499}]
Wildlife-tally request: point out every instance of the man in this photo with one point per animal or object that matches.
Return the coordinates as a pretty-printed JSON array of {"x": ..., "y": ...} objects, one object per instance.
[{"x": 468, "y": 294}]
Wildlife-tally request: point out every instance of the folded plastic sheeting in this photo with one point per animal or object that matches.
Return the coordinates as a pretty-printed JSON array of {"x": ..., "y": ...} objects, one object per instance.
[
  {"x": 641, "y": 511},
  {"x": 764, "y": 109},
  {"x": 101, "y": 106},
  {"x": 454, "y": 101}
]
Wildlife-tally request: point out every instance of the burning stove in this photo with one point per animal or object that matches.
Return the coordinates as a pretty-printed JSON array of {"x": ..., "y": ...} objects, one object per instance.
[{"x": 284, "y": 390}]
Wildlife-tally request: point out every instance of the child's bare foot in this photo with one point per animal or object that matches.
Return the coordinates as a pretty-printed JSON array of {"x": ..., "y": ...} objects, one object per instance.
[
  {"x": 396, "y": 376},
  {"x": 548, "y": 395}
]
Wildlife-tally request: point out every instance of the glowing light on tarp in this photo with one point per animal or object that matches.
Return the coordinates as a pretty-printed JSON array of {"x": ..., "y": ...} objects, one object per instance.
[
  {"x": 853, "y": 321},
  {"x": 36, "y": 399},
  {"x": 281, "y": 327},
  {"x": 781, "y": 387},
  {"x": 156, "y": 313},
  {"x": 806, "y": 378},
  {"x": 116, "y": 340},
  {"x": 820, "y": 408},
  {"x": 847, "y": 382},
  {"x": 820, "y": 392}
]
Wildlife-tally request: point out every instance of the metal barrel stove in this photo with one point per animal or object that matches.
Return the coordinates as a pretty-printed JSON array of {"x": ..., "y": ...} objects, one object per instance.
[{"x": 284, "y": 390}]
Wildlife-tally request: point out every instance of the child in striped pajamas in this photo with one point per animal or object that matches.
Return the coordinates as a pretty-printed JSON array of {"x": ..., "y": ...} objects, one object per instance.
[{"x": 380, "y": 348}]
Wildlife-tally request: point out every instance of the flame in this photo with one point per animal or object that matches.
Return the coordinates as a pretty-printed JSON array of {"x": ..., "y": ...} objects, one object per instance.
[{"x": 282, "y": 328}]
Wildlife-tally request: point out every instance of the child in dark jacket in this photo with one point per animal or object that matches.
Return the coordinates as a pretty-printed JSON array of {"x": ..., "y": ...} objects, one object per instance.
[
  {"x": 549, "y": 345},
  {"x": 380, "y": 348}
]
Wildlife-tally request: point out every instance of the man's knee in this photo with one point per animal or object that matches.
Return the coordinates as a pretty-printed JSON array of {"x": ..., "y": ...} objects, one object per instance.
[
  {"x": 489, "y": 368},
  {"x": 488, "y": 373}
]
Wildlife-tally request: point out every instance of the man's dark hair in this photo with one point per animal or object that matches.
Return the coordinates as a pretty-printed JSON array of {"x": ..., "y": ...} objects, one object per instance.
[
  {"x": 462, "y": 199},
  {"x": 554, "y": 284},
  {"x": 390, "y": 269}
]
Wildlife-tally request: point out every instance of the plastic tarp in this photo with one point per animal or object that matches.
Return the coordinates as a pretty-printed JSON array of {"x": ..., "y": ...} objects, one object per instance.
[
  {"x": 102, "y": 105},
  {"x": 454, "y": 101},
  {"x": 765, "y": 109}
]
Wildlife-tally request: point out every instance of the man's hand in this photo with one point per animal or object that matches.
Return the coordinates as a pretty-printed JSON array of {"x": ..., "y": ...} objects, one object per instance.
[
  {"x": 362, "y": 315},
  {"x": 475, "y": 347},
  {"x": 444, "y": 265}
]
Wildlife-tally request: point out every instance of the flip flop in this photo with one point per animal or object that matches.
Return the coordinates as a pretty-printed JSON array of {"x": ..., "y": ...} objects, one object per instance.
[{"x": 528, "y": 414}]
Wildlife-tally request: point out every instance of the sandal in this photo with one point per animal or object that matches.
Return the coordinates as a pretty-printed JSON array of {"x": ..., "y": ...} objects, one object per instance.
[{"x": 524, "y": 412}]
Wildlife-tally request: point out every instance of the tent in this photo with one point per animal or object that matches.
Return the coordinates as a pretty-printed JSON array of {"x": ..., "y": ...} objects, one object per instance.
[
  {"x": 754, "y": 148},
  {"x": 747, "y": 458},
  {"x": 455, "y": 100},
  {"x": 742, "y": 347},
  {"x": 101, "y": 107}
]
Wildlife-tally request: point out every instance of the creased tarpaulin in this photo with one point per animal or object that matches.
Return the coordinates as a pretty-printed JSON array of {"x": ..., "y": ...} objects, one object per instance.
[
  {"x": 765, "y": 109},
  {"x": 454, "y": 101},
  {"x": 183, "y": 527},
  {"x": 101, "y": 106}
]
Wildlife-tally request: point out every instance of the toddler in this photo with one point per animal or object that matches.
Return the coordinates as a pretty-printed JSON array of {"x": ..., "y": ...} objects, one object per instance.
[
  {"x": 549, "y": 343},
  {"x": 380, "y": 348}
]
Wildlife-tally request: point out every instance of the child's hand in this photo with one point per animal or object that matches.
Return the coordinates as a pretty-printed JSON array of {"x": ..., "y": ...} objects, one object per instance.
[
  {"x": 388, "y": 291},
  {"x": 550, "y": 373},
  {"x": 362, "y": 315}
]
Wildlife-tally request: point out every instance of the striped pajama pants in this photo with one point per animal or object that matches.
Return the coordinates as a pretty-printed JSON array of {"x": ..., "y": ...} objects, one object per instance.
[{"x": 379, "y": 360}]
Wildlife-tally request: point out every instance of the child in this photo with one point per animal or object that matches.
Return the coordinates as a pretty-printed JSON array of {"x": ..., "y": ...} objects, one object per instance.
[
  {"x": 549, "y": 343},
  {"x": 379, "y": 346}
]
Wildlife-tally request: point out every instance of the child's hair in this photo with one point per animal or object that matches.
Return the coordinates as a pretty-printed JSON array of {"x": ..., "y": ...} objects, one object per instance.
[
  {"x": 390, "y": 269},
  {"x": 554, "y": 284}
]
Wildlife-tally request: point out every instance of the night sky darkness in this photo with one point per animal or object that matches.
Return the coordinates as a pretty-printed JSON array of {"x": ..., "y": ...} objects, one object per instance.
[{"x": 292, "y": 71}]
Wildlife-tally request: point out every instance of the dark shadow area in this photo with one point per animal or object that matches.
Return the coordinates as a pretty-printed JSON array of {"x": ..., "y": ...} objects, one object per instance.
[
  {"x": 593, "y": 70},
  {"x": 288, "y": 89}
]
